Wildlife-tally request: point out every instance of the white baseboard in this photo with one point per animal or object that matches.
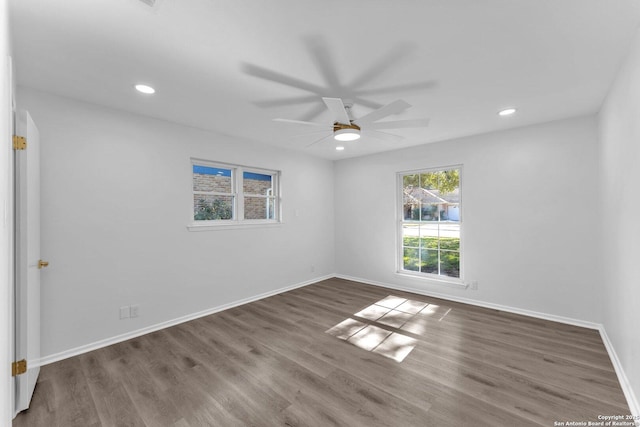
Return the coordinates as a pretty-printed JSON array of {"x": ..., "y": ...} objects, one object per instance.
[
  {"x": 138, "y": 332},
  {"x": 524, "y": 312},
  {"x": 632, "y": 401}
]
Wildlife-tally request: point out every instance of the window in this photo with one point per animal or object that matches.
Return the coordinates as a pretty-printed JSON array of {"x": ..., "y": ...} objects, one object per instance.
[
  {"x": 430, "y": 223},
  {"x": 259, "y": 195},
  {"x": 233, "y": 194}
]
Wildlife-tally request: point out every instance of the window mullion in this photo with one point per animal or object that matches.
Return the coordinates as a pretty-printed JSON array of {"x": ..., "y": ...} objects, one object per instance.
[
  {"x": 239, "y": 194},
  {"x": 439, "y": 258}
]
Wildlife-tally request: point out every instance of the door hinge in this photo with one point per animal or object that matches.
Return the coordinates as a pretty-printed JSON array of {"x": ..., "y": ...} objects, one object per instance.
[
  {"x": 19, "y": 367},
  {"x": 19, "y": 142}
]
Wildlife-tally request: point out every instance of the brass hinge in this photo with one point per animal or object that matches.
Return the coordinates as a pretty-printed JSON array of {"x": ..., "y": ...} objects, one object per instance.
[
  {"x": 19, "y": 142},
  {"x": 18, "y": 368}
]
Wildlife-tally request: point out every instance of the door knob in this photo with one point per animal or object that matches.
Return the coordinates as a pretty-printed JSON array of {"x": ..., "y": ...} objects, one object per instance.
[{"x": 42, "y": 264}]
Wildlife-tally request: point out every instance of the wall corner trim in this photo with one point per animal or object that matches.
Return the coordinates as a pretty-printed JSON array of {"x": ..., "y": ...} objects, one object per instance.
[
  {"x": 632, "y": 400},
  {"x": 162, "y": 325}
]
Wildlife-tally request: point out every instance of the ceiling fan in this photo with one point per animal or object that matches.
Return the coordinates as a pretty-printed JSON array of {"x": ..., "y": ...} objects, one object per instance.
[
  {"x": 357, "y": 91},
  {"x": 345, "y": 128}
]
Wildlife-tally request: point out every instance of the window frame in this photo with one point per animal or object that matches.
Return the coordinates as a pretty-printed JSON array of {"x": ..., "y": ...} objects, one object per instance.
[
  {"x": 237, "y": 193},
  {"x": 439, "y": 278}
]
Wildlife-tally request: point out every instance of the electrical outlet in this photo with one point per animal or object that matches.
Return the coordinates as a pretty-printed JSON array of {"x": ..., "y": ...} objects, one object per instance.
[
  {"x": 135, "y": 310},
  {"x": 313, "y": 268},
  {"x": 474, "y": 285},
  {"x": 125, "y": 312}
]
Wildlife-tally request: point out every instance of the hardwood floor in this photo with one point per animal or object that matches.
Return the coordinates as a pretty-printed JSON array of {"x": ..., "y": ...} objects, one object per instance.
[{"x": 273, "y": 363}]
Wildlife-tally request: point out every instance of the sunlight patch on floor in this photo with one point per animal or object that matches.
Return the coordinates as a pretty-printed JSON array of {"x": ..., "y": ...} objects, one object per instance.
[{"x": 393, "y": 312}]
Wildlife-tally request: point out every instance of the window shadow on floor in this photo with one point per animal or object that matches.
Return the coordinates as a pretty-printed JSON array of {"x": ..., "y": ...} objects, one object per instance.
[{"x": 379, "y": 327}]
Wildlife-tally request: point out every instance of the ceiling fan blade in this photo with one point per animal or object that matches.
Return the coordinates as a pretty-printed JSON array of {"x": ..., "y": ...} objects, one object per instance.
[
  {"x": 389, "y": 109},
  {"x": 397, "y": 124},
  {"x": 323, "y": 59},
  {"x": 312, "y": 133},
  {"x": 339, "y": 113},
  {"x": 279, "y": 102},
  {"x": 384, "y": 136},
  {"x": 316, "y": 109},
  {"x": 304, "y": 136},
  {"x": 274, "y": 76},
  {"x": 407, "y": 87},
  {"x": 330, "y": 136},
  {"x": 302, "y": 122},
  {"x": 393, "y": 57},
  {"x": 357, "y": 101}
]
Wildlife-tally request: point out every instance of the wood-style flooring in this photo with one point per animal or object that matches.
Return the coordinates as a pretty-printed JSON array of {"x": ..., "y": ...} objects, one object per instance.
[{"x": 273, "y": 363}]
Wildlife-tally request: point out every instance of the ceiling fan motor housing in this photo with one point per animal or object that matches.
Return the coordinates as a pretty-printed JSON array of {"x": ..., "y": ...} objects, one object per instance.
[{"x": 339, "y": 126}]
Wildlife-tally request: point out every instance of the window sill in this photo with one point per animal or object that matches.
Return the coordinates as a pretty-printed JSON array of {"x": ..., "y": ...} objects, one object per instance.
[
  {"x": 437, "y": 280},
  {"x": 232, "y": 226}
]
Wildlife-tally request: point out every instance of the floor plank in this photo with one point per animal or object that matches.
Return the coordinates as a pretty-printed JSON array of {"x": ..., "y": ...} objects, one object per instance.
[{"x": 272, "y": 363}]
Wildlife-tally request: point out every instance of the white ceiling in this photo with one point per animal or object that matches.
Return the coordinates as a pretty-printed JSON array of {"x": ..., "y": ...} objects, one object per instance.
[{"x": 214, "y": 62}]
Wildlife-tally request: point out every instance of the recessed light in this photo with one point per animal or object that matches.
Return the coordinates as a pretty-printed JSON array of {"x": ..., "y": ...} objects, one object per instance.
[
  {"x": 339, "y": 148},
  {"x": 507, "y": 112},
  {"x": 145, "y": 89}
]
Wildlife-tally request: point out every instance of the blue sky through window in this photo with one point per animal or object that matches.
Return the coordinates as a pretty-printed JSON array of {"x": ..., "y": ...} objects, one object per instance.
[
  {"x": 206, "y": 170},
  {"x": 256, "y": 176}
]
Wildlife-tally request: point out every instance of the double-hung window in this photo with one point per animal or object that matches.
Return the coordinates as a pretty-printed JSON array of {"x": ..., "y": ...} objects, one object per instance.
[
  {"x": 225, "y": 194},
  {"x": 430, "y": 223}
]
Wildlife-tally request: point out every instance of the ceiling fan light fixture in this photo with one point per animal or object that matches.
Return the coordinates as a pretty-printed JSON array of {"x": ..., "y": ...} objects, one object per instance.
[
  {"x": 343, "y": 133},
  {"x": 346, "y": 135}
]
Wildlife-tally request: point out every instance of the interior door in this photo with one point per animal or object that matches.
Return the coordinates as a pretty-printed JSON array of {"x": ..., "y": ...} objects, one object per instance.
[{"x": 28, "y": 263}]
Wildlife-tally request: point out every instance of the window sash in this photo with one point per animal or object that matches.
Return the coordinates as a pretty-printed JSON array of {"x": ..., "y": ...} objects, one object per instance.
[{"x": 273, "y": 181}]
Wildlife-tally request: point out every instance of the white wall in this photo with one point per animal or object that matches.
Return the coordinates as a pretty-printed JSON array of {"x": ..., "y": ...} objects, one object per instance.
[
  {"x": 530, "y": 210},
  {"x": 6, "y": 221},
  {"x": 116, "y": 197},
  {"x": 619, "y": 122}
]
